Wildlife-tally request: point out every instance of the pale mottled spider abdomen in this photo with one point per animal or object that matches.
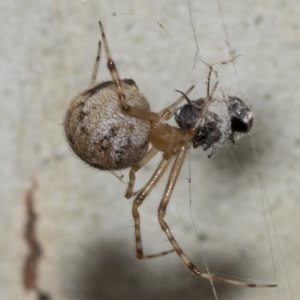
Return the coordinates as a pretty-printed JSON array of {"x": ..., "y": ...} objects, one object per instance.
[{"x": 100, "y": 133}]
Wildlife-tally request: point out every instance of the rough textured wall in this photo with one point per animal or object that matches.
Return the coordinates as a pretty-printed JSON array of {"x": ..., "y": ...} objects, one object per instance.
[{"x": 84, "y": 223}]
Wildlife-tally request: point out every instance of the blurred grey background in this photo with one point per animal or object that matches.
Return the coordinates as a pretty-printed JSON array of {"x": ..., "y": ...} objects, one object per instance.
[{"x": 48, "y": 51}]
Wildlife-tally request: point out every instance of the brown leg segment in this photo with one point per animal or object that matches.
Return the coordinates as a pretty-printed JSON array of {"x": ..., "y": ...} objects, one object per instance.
[
  {"x": 135, "y": 168},
  {"x": 138, "y": 201},
  {"x": 127, "y": 109},
  {"x": 164, "y": 226},
  {"x": 113, "y": 70}
]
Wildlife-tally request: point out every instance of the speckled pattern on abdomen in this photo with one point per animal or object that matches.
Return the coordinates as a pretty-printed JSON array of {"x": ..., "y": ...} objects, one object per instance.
[{"x": 100, "y": 133}]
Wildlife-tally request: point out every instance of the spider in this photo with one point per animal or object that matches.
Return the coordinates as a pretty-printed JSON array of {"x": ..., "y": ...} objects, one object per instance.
[{"x": 109, "y": 125}]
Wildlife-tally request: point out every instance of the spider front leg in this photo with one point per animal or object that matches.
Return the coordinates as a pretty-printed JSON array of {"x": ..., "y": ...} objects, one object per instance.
[
  {"x": 127, "y": 109},
  {"x": 113, "y": 70},
  {"x": 164, "y": 226},
  {"x": 138, "y": 201}
]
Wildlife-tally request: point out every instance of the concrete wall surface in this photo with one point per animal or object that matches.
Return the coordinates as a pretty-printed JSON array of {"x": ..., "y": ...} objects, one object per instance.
[{"x": 84, "y": 224}]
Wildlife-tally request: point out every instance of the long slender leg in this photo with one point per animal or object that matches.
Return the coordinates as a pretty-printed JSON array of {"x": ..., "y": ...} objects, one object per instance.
[
  {"x": 113, "y": 70},
  {"x": 96, "y": 67},
  {"x": 164, "y": 226},
  {"x": 138, "y": 201},
  {"x": 135, "y": 168},
  {"x": 132, "y": 111},
  {"x": 127, "y": 109}
]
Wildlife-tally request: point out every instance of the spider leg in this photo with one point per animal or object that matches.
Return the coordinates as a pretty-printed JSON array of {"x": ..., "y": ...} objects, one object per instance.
[
  {"x": 113, "y": 70},
  {"x": 138, "y": 201},
  {"x": 164, "y": 226},
  {"x": 133, "y": 111},
  {"x": 96, "y": 67},
  {"x": 127, "y": 109},
  {"x": 135, "y": 168}
]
